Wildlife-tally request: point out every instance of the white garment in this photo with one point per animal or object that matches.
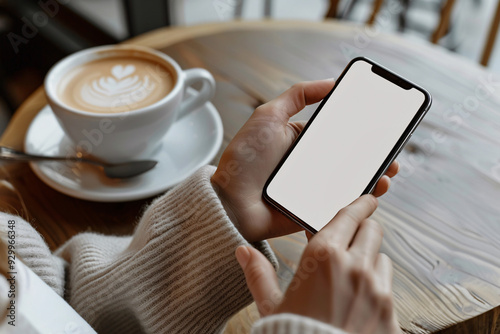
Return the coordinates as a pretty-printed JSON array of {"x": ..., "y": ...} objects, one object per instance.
[{"x": 176, "y": 274}]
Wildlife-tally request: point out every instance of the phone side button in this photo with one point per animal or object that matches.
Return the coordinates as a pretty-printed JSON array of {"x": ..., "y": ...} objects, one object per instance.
[{"x": 404, "y": 144}]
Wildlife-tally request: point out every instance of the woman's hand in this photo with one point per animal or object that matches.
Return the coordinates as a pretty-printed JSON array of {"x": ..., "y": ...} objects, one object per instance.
[
  {"x": 255, "y": 151},
  {"x": 342, "y": 279}
]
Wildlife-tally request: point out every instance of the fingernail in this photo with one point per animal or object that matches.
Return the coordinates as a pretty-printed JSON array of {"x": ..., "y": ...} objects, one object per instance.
[{"x": 243, "y": 256}]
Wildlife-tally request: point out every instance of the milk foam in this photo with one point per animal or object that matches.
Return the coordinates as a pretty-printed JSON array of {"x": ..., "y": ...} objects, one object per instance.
[
  {"x": 123, "y": 88},
  {"x": 115, "y": 85}
]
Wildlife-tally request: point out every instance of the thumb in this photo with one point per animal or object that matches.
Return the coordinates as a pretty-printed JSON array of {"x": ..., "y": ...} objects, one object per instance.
[
  {"x": 299, "y": 125},
  {"x": 261, "y": 279},
  {"x": 296, "y": 128}
]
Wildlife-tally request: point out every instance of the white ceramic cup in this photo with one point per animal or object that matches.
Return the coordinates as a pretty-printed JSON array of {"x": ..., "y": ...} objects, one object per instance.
[{"x": 128, "y": 135}]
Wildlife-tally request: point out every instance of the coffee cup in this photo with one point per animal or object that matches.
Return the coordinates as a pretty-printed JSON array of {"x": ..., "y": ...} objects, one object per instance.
[{"x": 117, "y": 102}]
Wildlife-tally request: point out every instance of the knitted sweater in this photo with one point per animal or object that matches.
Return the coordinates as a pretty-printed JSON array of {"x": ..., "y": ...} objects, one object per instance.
[{"x": 176, "y": 274}]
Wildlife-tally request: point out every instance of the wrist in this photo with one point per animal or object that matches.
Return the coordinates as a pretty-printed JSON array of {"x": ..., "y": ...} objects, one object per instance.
[{"x": 226, "y": 203}]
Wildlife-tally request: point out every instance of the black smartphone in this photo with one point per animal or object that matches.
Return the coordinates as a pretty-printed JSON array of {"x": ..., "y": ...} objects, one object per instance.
[{"x": 351, "y": 139}]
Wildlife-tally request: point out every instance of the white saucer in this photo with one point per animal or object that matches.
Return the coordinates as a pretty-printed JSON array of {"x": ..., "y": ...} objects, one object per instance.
[{"x": 190, "y": 143}]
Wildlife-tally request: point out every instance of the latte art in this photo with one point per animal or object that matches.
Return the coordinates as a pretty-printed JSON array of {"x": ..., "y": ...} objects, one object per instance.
[
  {"x": 119, "y": 90},
  {"x": 116, "y": 85}
]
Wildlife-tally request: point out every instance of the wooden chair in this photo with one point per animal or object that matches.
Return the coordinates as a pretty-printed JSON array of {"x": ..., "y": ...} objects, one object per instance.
[
  {"x": 492, "y": 34},
  {"x": 332, "y": 12},
  {"x": 444, "y": 23}
]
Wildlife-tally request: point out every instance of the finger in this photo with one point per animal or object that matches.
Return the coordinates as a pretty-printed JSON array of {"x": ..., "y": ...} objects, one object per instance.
[
  {"x": 393, "y": 169},
  {"x": 296, "y": 128},
  {"x": 388, "y": 322},
  {"x": 296, "y": 98},
  {"x": 384, "y": 273},
  {"x": 369, "y": 297},
  {"x": 382, "y": 186},
  {"x": 341, "y": 229},
  {"x": 261, "y": 279},
  {"x": 361, "y": 307},
  {"x": 367, "y": 241}
]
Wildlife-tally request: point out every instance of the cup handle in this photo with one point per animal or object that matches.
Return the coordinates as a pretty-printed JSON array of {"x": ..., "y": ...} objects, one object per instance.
[{"x": 206, "y": 92}]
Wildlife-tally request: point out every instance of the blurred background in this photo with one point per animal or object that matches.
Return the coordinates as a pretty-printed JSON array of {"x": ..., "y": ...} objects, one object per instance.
[{"x": 37, "y": 33}]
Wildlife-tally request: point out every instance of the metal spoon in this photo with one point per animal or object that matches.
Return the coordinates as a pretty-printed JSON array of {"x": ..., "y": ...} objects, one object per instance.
[{"x": 120, "y": 171}]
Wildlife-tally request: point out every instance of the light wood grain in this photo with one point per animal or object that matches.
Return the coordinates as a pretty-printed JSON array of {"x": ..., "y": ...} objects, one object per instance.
[{"x": 442, "y": 215}]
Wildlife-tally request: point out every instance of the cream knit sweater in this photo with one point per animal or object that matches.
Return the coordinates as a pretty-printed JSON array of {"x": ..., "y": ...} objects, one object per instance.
[{"x": 176, "y": 274}]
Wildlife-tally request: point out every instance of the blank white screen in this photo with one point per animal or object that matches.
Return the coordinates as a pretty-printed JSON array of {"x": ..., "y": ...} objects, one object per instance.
[{"x": 345, "y": 145}]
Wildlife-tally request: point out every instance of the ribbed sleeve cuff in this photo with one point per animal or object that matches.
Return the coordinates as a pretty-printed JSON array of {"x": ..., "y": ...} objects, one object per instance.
[
  {"x": 292, "y": 324},
  {"x": 178, "y": 273},
  {"x": 204, "y": 239},
  {"x": 33, "y": 251}
]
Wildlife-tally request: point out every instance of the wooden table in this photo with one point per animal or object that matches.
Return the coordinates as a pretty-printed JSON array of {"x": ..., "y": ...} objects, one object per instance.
[{"x": 442, "y": 215}]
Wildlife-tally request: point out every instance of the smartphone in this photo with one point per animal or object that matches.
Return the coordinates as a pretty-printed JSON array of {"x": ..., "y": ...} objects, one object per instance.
[{"x": 351, "y": 139}]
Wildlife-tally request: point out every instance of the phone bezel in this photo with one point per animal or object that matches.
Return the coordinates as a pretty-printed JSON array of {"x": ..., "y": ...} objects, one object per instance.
[{"x": 419, "y": 115}]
